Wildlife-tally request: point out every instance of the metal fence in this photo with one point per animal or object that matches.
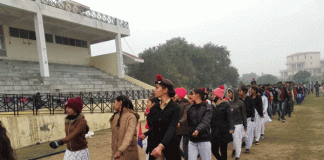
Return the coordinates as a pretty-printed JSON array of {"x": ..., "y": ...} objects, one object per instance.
[
  {"x": 85, "y": 11},
  {"x": 99, "y": 102}
]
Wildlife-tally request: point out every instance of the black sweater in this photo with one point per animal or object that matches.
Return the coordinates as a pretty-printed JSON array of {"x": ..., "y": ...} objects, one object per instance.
[
  {"x": 250, "y": 110},
  {"x": 164, "y": 124},
  {"x": 257, "y": 104}
]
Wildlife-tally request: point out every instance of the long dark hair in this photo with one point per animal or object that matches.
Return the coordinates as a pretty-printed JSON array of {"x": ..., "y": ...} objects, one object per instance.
[
  {"x": 201, "y": 93},
  {"x": 125, "y": 103},
  {"x": 6, "y": 151},
  {"x": 171, "y": 91},
  {"x": 153, "y": 99}
]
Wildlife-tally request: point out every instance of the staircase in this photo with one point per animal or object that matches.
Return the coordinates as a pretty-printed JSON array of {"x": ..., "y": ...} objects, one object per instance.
[{"x": 23, "y": 77}]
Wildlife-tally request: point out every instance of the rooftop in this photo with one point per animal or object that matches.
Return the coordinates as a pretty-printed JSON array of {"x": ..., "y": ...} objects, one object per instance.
[
  {"x": 81, "y": 9},
  {"x": 302, "y": 53}
]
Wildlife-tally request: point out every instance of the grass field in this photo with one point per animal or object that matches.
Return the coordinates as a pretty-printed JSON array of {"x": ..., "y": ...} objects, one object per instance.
[{"x": 301, "y": 137}]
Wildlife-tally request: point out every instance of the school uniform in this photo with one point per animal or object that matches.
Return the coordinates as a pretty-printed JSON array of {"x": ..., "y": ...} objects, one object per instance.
[{"x": 257, "y": 103}]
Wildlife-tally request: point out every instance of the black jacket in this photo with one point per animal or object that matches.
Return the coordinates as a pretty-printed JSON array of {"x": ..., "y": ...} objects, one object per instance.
[
  {"x": 239, "y": 111},
  {"x": 275, "y": 95},
  {"x": 257, "y": 104},
  {"x": 199, "y": 117},
  {"x": 299, "y": 90},
  {"x": 150, "y": 144},
  {"x": 164, "y": 125},
  {"x": 250, "y": 110},
  {"x": 222, "y": 123}
]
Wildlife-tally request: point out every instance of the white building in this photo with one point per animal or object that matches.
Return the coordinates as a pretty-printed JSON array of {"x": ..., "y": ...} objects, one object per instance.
[
  {"x": 56, "y": 31},
  {"x": 309, "y": 61}
]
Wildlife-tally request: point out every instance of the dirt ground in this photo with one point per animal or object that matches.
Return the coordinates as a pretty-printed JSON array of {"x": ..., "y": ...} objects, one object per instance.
[{"x": 301, "y": 137}]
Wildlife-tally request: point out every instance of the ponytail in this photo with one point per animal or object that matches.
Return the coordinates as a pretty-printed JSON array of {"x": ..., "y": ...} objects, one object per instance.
[{"x": 125, "y": 103}]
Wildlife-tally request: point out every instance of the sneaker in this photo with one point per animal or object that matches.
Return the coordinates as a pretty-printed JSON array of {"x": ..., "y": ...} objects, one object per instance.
[
  {"x": 257, "y": 142},
  {"x": 262, "y": 137},
  {"x": 233, "y": 154},
  {"x": 243, "y": 144},
  {"x": 237, "y": 158},
  {"x": 247, "y": 151},
  {"x": 283, "y": 121}
]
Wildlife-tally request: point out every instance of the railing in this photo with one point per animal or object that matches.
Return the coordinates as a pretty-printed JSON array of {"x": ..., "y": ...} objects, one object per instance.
[
  {"x": 100, "y": 102},
  {"x": 85, "y": 11}
]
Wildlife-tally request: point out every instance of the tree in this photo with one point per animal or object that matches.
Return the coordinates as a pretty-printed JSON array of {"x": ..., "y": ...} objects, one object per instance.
[
  {"x": 186, "y": 65},
  {"x": 267, "y": 79},
  {"x": 301, "y": 76}
]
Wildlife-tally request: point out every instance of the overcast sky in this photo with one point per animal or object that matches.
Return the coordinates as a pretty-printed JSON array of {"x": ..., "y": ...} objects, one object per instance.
[{"x": 258, "y": 33}]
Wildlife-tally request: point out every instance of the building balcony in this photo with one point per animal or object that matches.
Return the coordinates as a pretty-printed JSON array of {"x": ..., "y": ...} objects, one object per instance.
[
  {"x": 83, "y": 10},
  {"x": 296, "y": 62},
  {"x": 283, "y": 71},
  {"x": 63, "y": 18}
]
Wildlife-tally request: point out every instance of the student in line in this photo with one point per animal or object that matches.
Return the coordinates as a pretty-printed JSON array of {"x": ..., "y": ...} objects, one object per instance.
[
  {"x": 257, "y": 103},
  {"x": 124, "y": 133},
  {"x": 151, "y": 101},
  {"x": 165, "y": 117},
  {"x": 199, "y": 117},
  {"x": 239, "y": 120},
  {"x": 75, "y": 128},
  {"x": 182, "y": 131},
  {"x": 250, "y": 114},
  {"x": 222, "y": 125}
]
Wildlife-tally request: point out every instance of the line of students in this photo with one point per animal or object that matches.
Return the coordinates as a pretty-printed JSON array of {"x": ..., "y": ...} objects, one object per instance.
[{"x": 204, "y": 127}]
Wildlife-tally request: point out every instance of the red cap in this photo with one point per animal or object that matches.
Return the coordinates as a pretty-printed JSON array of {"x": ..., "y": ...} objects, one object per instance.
[{"x": 75, "y": 103}]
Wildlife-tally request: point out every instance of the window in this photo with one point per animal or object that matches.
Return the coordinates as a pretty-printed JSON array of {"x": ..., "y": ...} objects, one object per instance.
[
  {"x": 84, "y": 44},
  {"x": 3, "y": 51},
  {"x": 23, "y": 33},
  {"x": 311, "y": 57},
  {"x": 2, "y": 44},
  {"x": 14, "y": 32},
  {"x": 297, "y": 58},
  {"x": 32, "y": 35},
  {"x": 305, "y": 56},
  {"x": 311, "y": 63},
  {"x": 65, "y": 40},
  {"x": 58, "y": 40},
  {"x": 68, "y": 41},
  {"x": 78, "y": 43},
  {"x": 1, "y": 31},
  {"x": 49, "y": 38},
  {"x": 72, "y": 42}
]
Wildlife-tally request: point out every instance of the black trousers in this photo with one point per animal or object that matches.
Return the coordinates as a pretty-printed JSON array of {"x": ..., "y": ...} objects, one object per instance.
[
  {"x": 216, "y": 146},
  {"x": 317, "y": 93}
]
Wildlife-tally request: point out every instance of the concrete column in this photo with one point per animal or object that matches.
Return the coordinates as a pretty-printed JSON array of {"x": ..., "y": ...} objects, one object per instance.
[
  {"x": 41, "y": 43},
  {"x": 119, "y": 54}
]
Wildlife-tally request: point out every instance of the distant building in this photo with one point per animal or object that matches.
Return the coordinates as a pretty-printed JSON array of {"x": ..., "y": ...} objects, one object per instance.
[{"x": 308, "y": 61}]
